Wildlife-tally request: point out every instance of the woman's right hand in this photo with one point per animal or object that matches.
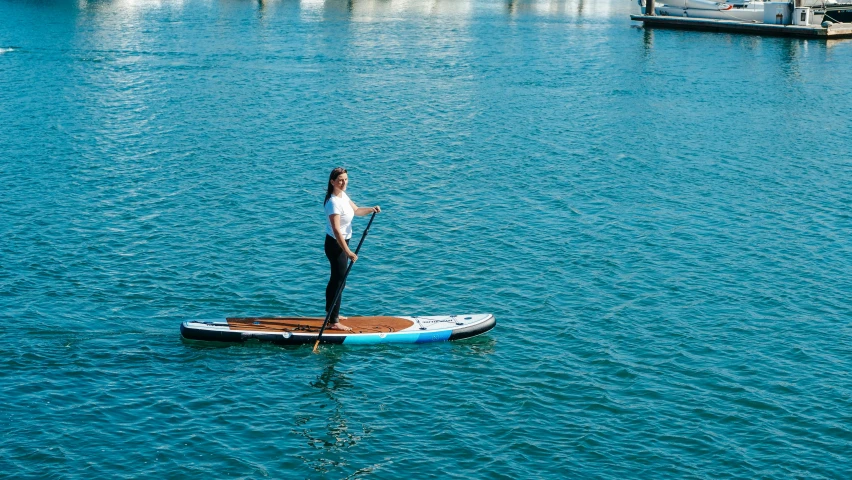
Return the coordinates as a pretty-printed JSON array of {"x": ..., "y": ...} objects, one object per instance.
[{"x": 352, "y": 256}]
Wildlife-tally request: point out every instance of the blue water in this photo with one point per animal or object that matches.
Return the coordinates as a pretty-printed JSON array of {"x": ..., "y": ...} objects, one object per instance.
[{"x": 659, "y": 220}]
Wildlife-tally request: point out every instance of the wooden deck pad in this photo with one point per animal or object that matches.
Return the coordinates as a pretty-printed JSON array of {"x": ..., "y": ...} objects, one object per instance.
[{"x": 312, "y": 325}]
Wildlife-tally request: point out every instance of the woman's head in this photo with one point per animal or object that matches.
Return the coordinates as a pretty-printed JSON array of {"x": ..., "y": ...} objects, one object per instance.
[{"x": 337, "y": 178}]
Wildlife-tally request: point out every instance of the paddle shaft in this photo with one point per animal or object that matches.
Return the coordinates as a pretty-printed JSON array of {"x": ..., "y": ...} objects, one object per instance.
[{"x": 343, "y": 283}]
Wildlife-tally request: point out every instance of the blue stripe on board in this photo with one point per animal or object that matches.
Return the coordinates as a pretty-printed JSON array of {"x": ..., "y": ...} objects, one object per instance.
[
  {"x": 441, "y": 336},
  {"x": 414, "y": 337}
]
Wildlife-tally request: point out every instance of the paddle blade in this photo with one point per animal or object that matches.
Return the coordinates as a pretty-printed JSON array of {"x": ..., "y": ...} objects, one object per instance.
[{"x": 316, "y": 345}]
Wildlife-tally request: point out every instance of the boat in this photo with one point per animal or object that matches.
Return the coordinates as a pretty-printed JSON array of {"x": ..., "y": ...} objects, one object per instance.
[
  {"x": 365, "y": 330},
  {"x": 734, "y": 10},
  {"x": 753, "y": 11},
  {"x": 838, "y": 12}
]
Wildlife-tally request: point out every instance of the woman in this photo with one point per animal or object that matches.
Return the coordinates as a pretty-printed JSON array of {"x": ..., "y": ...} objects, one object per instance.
[{"x": 339, "y": 210}]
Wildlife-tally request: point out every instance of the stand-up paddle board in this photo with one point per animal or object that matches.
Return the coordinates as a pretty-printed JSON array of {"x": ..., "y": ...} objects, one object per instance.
[{"x": 365, "y": 330}]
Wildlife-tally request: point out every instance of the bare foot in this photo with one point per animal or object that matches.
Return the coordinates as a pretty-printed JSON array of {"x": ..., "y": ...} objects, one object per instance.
[{"x": 339, "y": 326}]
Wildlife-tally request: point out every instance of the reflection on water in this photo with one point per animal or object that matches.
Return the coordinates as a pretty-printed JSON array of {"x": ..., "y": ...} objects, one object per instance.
[
  {"x": 836, "y": 42},
  {"x": 128, "y": 5},
  {"x": 337, "y": 8},
  {"x": 647, "y": 40},
  {"x": 558, "y": 8},
  {"x": 369, "y": 8},
  {"x": 121, "y": 11},
  {"x": 328, "y": 430},
  {"x": 790, "y": 52},
  {"x": 478, "y": 346}
]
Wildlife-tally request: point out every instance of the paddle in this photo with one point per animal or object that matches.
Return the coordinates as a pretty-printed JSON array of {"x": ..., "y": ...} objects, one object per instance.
[{"x": 343, "y": 284}]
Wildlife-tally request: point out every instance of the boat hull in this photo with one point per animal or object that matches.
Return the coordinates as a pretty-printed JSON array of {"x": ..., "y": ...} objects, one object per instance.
[
  {"x": 738, "y": 11},
  {"x": 734, "y": 14}
]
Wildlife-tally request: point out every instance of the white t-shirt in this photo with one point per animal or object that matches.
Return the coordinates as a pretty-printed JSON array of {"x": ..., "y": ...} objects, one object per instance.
[{"x": 339, "y": 206}]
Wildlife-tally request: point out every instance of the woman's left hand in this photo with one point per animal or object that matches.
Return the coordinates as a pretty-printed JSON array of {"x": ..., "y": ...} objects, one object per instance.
[{"x": 377, "y": 209}]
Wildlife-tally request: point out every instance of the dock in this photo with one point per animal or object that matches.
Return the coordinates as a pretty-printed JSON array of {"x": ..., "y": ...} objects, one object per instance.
[{"x": 835, "y": 31}]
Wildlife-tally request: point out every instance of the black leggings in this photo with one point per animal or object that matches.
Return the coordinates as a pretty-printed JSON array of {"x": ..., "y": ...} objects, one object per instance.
[{"x": 338, "y": 260}]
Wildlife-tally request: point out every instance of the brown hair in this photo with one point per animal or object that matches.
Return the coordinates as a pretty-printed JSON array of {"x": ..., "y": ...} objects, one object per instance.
[{"x": 332, "y": 177}]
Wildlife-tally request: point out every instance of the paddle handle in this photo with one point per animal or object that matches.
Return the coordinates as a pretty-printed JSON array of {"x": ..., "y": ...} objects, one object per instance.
[{"x": 343, "y": 283}]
